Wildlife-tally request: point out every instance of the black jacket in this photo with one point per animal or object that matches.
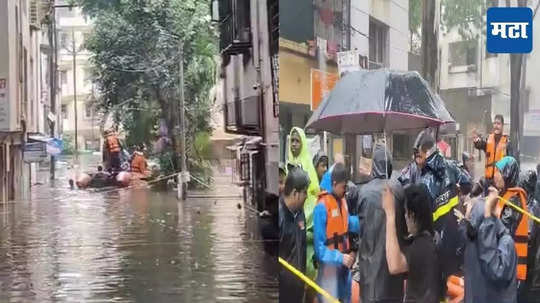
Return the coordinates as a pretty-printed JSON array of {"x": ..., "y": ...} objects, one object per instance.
[
  {"x": 537, "y": 190},
  {"x": 490, "y": 259},
  {"x": 376, "y": 283},
  {"x": 292, "y": 248},
  {"x": 441, "y": 176}
]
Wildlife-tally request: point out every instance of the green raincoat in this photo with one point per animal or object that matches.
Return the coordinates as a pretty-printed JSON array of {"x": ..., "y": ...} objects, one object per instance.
[{"x": 304, "y": 160}]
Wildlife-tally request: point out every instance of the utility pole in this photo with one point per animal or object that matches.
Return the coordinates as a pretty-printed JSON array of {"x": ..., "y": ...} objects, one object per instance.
[
  {"x": 516, "y": 61},
  {"x": 74, "y": 53},
  {"x": 430, "y": 49},
  {"x": 182, "y": 185},
  {"x": 52, "y": 81}
]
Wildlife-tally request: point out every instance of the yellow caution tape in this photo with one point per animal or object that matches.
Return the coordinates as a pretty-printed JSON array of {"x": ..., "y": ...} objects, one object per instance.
[
  {"x": 520, "y": 209},
  {"x": 308, "y": 281}
]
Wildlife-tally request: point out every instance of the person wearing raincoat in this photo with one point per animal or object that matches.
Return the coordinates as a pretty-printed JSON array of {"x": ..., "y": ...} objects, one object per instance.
[
  {"x": 332, "y": 226},
  {"x": 376, "y": 282},
  {"x": 531, "y": 291},
  {"x": 299, "y": 155},
  {"x": 442, "y": 178},
  {"x": 537, "y": 187},
  {"x": 490, "y": 257},
  {"x": 505, "y": 180}
]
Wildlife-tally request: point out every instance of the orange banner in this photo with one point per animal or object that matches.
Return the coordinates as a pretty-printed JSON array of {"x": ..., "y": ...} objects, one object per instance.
[{"x": 321, "y": 84}]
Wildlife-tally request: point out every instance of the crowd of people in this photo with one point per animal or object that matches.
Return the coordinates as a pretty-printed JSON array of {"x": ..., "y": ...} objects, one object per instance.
[{"x": 431, "y": 233}]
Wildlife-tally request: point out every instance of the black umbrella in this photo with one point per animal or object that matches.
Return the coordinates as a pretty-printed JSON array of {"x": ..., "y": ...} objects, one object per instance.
[{"x": 381, "y": 100}]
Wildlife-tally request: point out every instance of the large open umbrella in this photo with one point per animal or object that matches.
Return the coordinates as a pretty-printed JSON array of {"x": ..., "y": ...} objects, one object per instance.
[{"x": 381, "y": 100}]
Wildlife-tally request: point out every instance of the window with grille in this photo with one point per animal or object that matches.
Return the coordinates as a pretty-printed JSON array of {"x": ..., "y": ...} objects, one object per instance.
[
  {"x": 332, "y": 23},
  {"x": 235, "y": 25},
  {"x": 88, "y": 110},
  {"x": 462, "y": 53},
  {"x": 378, "y": 44},
  {"x": 64, "y": 40},
  {"x": 64, "y": 111},
  {"x": 63, "y": 77}
]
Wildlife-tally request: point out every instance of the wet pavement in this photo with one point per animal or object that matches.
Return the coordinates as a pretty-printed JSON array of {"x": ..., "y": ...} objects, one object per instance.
[{"x": 133, "y": 246}]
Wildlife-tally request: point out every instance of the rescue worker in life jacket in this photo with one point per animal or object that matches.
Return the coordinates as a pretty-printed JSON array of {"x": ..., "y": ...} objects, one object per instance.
[
  {"x": 138, "y": 162},
  {"x": 332, "y": 225},
  {"x": 505, "y": 180},
  {"x": 113, "y": 147},
  {"x": 531, "y": 292},
  {"x": 496, "y": 147}
]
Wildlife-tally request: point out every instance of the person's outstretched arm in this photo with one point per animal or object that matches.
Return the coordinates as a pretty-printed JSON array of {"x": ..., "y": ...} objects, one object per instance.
[{"x": 397, "y": 263}]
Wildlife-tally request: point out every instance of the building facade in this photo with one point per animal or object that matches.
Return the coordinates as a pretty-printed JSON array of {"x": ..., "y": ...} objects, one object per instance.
[
  {"x": 75, "y": 82},
  {"x": 379, "y": 30},
  {"x": 475, "y": 86},
  {"x": 24, "y": 88}
]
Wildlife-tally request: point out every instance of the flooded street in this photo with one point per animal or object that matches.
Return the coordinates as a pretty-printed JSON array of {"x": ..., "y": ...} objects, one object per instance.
[{"x": 133, "y": 246}]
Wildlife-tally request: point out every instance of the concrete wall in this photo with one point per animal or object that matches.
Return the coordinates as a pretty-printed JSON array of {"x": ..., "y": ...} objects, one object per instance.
[
  {"x": 8, "y": 68},
  {"x": 295, "y": 77},
  {"x": 360, "y": 26},
  {"x": 19, "y": 56},
  {"x": 395, "y": 14}
]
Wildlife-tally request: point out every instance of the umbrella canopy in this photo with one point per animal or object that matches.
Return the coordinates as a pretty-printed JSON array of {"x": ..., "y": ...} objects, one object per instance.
[{"x": 372, "y": 101}]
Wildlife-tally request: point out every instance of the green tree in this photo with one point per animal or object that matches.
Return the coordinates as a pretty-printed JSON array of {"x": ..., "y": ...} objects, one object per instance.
[
  {"x": 69, "y": 146},
  {"x": 467, "y": 16},
  {"x": 135, "y": 54},
  {"x": 415, "y": 23}
]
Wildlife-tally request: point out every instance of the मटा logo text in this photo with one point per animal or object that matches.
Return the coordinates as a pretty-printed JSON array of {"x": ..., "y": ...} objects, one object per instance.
[{"x": 509, "y": 30}]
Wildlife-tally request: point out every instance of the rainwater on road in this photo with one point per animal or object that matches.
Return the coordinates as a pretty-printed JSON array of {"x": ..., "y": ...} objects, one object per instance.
[{"x": 65, "y": 245}]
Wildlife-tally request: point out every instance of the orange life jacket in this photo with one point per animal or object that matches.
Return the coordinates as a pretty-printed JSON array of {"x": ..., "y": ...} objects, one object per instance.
[
  {"x": 494, "y": 153},
  {"x": 138, "y": 164},
  {"x": 521, "y": 237},
  {"x": 112, "y": 144},
  {"x": 455, "y": 289},
  {"x": 337, "y": 223}
]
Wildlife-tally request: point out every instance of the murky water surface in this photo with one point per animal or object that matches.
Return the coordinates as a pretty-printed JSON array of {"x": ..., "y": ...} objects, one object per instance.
[{"x": 133, "y": 246}]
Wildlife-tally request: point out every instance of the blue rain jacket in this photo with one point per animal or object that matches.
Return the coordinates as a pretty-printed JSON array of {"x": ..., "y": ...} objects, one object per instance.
[{"x": 340, "y": 287}]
